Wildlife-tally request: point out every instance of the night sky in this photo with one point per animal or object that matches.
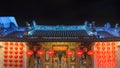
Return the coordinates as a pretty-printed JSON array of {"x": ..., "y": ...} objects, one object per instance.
[{"x": 66, "y": 12}]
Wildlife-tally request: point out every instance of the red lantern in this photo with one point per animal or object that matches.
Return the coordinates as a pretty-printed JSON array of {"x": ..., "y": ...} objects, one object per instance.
[
  {"x": 6, "y": 52},
  {"x": 16, "y": 65},
  {"x": 108, "y": 43},
  {"x": 10, "y": 60},
  {"x": 5, "y": 60},
  {"x": 21, "y": 52},
  {"x": 103, "y": 44},
  {"x": 6, "y": 43},
  {"x": 90, "y": 52},
  {"x": 11, "y": 43},
  {"x": 103, "y": 48},
  {"x": 20, "y": 65},
  {"x": 69, "y": 52},
  {"x": 5, "y": 56},
  {"x": 113, "y": 52},
  {"x": 15, "y": 60},
  {"x": 79, "y": 52},
  {"x": 16, "y": 56},
  {"x": 11, "y": 48},
  {"x": 10, "y": 56},
  {"x": 6, "y": 48},
  {"x": 16, "y": 48},
  {"x": 5, "y": 65},
  {"x": 113, "y": 43},
  {"x": 50, "y": 52},
  {"x": 10, "y": 65},
  {"x": 20, "y": 61},
  {"x": 10, "y": 52},
  {"x": 16, "y": 52},
  {"x": 21, "y": 48},
  {"x": 98, "y": 48},
  {"x": 40, "y": 52},
  {"x": 29, "y": 52},
  {"x": 20, "y": 57},
  {"x": 21, "y": 44},
  {"x": 16, "y": 43},
  {"x": 113, "y": 48},
  {"x": 108, "y": 48}
]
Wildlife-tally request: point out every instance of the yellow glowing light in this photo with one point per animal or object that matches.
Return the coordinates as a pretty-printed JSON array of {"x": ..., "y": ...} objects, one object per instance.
[{"x": 59, "y": 48}]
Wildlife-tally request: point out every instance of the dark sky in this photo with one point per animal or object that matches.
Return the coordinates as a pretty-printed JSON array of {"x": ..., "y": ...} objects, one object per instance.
[{"x": 67, "y": 12}]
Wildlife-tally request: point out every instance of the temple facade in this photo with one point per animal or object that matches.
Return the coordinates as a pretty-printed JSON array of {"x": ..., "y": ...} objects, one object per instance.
[{"x": 58, "y": 46}]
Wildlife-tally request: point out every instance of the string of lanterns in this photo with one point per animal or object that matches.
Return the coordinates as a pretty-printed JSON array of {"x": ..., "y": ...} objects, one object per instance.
[
  {"x": 13, "y": 54},
  {"x": 68, "y": 52}
]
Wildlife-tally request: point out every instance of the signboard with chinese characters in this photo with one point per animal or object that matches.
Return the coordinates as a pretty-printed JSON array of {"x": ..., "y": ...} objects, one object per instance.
[{"x": 60, "y": 48}]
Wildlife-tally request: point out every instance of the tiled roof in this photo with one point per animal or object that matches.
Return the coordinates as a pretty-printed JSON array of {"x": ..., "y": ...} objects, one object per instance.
[
  {"x": 72, "y": 33},
  {"x": 104, "y": 34},
  {"x": 16, "y": 34}
]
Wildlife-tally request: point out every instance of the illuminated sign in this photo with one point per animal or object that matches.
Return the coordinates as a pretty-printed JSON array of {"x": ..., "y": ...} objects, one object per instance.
[{"x": 59, "y": 47}]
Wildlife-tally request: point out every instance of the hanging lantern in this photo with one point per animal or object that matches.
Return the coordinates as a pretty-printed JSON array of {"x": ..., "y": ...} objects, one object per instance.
[
  {"x": 6, "y": 52},
  {"x": 16, "y": 61},
  {"x": 79, "y": 52},
  {"x": 21, "y": 48},
  {"x": 69, "y": 52},
  {"x": 6, "y": 43},
  {"x": 21, "y": 44},
  {"x": 103, "y": 44},
  {"x": 16, "y": 43},
  {"x": 50, "y": 52},
  {"x": 20, "y": 65},
  {"x": 5, "y": 56},
  {"x": 98, "y": 48},
  {"x": 40, "y": 52},
  {"x": 11, "y": 48},
  {"x": 10, "y": 52},
  {"x": 20, "y": 57},
  {"x": 113, "y": 52},
  {"x": 21, "y": 52},
  {"x": 11, "y": 43},
  {"x": 10, "y": 56},
  {"x": 108, "y": 43},
  {"x": 5, "y": 65},
  {"x": 103, "y": 48},
  {"x": 113, "y": 43},
  {"x": 10, "y": 60},
  {"x": 20, "y": 61},
  {"x": 29, "y": 52},
  {"x": 16, "y": 65},
  {"x": 16, "y": 56},
  {"x": 16, "y": 48},
  {"x": 113, "y": 48},
  {"x": 6, "y": 48},
  {"x": 90, "y": 52},
  {"x": 10, "y": 65},
  {"x": 16, "y": 52},
  {"x": 5, "y": 60},
  {"x": 108, "y": 48}
]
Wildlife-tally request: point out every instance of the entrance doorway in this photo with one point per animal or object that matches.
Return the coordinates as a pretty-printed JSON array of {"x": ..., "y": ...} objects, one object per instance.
[
  {"x": 64, "y": 54},
  {"x": 60, "y": 59}
]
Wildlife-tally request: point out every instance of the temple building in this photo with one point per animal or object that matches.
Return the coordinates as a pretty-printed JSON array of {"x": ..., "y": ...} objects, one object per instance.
[{"x": 58, "y": 46}]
